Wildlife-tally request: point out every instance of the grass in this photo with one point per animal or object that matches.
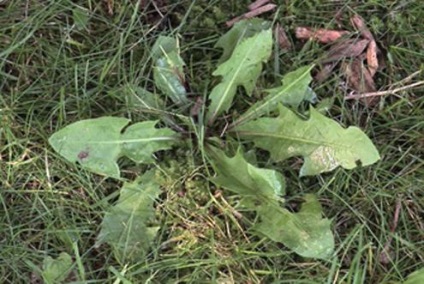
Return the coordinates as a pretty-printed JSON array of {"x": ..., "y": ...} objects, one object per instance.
[{"x": 54, "y": 72}]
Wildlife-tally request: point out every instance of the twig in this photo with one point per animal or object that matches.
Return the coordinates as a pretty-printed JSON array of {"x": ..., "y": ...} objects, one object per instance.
[
  {"x": 383, "y": 93},
  {"x": 407, "y": 79}
]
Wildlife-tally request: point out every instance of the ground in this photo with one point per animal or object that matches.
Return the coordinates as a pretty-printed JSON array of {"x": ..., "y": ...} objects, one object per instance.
[{"x": 74, "y": 60}]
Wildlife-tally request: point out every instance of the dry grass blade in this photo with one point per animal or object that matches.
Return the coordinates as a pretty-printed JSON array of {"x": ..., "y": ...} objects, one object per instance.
[{"x": 320, "y": 35}]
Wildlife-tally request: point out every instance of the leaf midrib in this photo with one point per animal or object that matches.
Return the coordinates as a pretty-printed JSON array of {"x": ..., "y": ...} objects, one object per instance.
[
  {"x": 127, "y": 140},
  {"x": 231, "y": 82},
  {"x": 291, "y": 138},
  {"x": 252, "y": 112}
]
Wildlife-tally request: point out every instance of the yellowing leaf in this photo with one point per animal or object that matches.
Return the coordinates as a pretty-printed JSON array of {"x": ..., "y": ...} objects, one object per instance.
[
  {"x": 323, "y": 143},
  {"x": 127, "y": 225},
  {"x": 242, "y": 68}
]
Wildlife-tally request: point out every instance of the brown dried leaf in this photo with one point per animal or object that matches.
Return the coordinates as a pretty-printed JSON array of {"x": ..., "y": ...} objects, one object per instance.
[
  {"x": 372, "y": 60},
  {"x": 325, "y": 72},
  {"x": 109, "y": 4},
  {"x": 359, "y": 79},
  {"x": 258, "y": 3},
  {"x": 251, "y": 14},
  {"x": 359, "y": 24},
  {"x": 282, "y": 38},
  {"x": 338, "y": 17},
  {"x": 347, "y": 48},
  {"x": 320, "y": 35}
]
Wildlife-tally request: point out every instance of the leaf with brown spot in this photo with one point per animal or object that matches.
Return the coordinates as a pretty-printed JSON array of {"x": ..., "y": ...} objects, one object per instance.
[
  {"x": 323, "y": 143},
  {"x": 320, "y": 35},
  {"x": 96, "y": 144},
  {"x": 372, "y": 60}
]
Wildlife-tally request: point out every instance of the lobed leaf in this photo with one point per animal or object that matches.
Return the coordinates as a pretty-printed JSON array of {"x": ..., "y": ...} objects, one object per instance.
[
  {"x": 96, "y": 144},
  {"x": 127, "y": 225},
  {"x": 241, "y": 30},
  {"x": 140, "y": 149},
  {"x": 164, "y": 45},
  {"x": 168, "y": 72},
  {"x": 294, "y": 90},
  {"x": 416, "y": 277},
  {"x": 241, "y": 69},
  {"x": 245, "y": 179},
  {"x": 322, "y": 142},
  {"x": 141, "y": 98},
  {"x": 305, "y": 232},
  {"x": 56, "y": 270}
]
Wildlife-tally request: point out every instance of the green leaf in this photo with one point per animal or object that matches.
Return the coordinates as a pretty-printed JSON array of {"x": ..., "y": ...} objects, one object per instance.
[
  {"x": 243, "y": 68},
  {"x": 416, "y": 277},
  {"x": 141, "y": 148},
  {"x": 322, "y": 142},
  {"x": 305, "y": 232},
  {"x": 127, "y": 226},
  {"x": 80, "y": 17},
  {"x": 56, "y": 270},
  {"x": 168, "y": 71},
  {"x": 141, "y": 98},
  {"x": 245, "y": 179},
  {"x": 241, "y": 30},
  {"x": 96, "y": 144},
  {"x": 164, "y": 45},
  {"x": 294, "y": 90}
]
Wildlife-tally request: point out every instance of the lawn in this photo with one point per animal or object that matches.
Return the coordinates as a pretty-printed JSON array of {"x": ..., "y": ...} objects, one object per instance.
[{"x": 64, "y": 61}]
